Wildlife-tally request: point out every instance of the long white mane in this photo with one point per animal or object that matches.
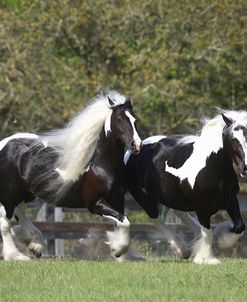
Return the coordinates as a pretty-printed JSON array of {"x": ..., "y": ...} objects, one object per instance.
[
  {"x": 217, "y": 123},
  {"x": 76, "y": 143}
]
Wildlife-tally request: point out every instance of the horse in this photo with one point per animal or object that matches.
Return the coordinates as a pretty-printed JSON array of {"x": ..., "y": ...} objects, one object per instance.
[
  {"x": 194, "y": 173},
  {"x": 79, "y": 165}
]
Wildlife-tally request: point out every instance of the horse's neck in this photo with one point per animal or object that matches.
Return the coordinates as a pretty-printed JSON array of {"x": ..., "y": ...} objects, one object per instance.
[
  {"x": 109, "y": 152},
  {"x": 204, "y": 155}
]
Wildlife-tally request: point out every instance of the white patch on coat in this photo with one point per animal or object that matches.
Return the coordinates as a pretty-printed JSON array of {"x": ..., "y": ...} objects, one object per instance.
[
  {"x": 209, "y": 142},
  {"x": 153, "y": 139},
  {"x": 4, "y": 142}
]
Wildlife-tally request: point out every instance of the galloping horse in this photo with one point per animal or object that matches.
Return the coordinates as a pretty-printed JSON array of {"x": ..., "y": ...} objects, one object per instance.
[
  {"x": 81, "y": 163},
  {"x": 194, "y": 173}
]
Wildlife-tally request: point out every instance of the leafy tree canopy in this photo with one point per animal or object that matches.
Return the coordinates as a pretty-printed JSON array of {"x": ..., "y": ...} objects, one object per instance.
[{"x": 177, "y": 60}]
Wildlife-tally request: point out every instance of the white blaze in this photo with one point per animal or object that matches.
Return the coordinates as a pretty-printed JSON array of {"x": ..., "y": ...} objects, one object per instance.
[{"x": 132, "y": 121}]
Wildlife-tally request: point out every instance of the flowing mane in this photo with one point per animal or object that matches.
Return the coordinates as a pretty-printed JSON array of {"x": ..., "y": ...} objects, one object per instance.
[
  {"x": 211, "y": 130},
  {"x": 76, "y": 143},
  {"x": 217, "y": 123}
]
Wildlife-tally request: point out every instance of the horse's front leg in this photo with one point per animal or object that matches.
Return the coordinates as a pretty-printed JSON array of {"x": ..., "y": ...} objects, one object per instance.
[
  {"x": 27, "y": 233},
  {"x": 119, "y": 239},
  {"x": 226, "y": 234},
  {"x": 203, "y": 246}
]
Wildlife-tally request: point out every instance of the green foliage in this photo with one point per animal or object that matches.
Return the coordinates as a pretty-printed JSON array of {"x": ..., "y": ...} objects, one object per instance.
[{"x": 176, "y": 59}]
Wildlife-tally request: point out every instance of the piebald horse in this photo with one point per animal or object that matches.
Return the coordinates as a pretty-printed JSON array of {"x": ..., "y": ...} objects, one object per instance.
[
  {"x": 80, "y": 165},
  {"x": 194, "y": 173}
]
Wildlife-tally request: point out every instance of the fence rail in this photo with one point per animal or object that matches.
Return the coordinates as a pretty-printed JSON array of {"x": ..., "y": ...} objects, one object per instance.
[
  {"x": 55, "y": 230},
  {"x": 75, "y": 230}
]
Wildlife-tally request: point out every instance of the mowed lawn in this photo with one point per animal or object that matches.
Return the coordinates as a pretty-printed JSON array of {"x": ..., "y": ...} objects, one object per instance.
[{"x": 152, "y": 280}]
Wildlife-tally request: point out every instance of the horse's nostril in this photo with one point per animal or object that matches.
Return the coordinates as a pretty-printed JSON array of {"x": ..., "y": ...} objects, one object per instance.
[{"x": 136, "y": 146}]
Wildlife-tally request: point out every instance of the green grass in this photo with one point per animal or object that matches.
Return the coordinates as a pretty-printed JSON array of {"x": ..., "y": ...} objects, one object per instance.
[{"x": 153, "y": 280}]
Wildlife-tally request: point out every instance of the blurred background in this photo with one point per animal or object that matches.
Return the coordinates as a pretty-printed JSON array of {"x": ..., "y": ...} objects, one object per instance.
[{"x": 178, "y": 60}]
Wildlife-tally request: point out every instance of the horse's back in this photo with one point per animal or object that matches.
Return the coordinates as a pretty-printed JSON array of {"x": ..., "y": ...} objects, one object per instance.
[
  {"x": 11, "y": 153},
  {"x": 14, "y": 163},
  {"x": 22, "y": 159}
]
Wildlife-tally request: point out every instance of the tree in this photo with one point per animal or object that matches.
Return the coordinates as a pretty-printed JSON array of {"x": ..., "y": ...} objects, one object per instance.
[{"x": 177, "y": 60}]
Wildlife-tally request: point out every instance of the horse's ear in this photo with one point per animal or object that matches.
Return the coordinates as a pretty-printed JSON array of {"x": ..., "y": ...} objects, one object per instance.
[
  {"x": 229, "y": 121},
  {"x": 128, "y": 101},
  {"x": 110, "y": 101}
]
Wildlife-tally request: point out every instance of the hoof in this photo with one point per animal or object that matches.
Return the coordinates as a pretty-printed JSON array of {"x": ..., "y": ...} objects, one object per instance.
[
  {"x": 36, "y": 249},
  {"x": 224, "y": 238},
  {"x": 119, "y": 252},
  {"x": 118, "y": 247},
  {"x": 210, "y": 261},
  {"x": 181, "y": 252}
]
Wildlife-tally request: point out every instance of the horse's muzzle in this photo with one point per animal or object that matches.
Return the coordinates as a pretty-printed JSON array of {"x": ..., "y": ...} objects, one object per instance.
[{"x": 136, "y": 146}]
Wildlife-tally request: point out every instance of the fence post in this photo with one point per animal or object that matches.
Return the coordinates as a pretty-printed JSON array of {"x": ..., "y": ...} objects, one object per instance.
[{"x": 59, "y": 243}]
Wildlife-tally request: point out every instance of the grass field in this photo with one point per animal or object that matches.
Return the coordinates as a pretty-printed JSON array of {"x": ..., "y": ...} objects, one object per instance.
[{"x": 152, "y": 280}]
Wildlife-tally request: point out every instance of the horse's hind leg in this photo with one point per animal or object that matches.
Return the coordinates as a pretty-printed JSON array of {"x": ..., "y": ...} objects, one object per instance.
[
  {"x": 189, "y": 221},
  {"x": 176, "y": 242},
  {"x": 27, "y": 233},
  {"x": 119, "y": 239},
  {"x": 10, "y": 251}
]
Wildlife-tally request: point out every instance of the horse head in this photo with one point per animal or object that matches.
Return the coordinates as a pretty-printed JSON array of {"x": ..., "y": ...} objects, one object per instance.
[
  {"x": 122, "y": 125},
  {"x": 235, "y": 143}
]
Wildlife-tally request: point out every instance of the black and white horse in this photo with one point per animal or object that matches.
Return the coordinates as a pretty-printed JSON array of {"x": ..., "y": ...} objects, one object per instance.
[
  {"x": 80, "y": 165},
  {"x": 194, "y": 173}
]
